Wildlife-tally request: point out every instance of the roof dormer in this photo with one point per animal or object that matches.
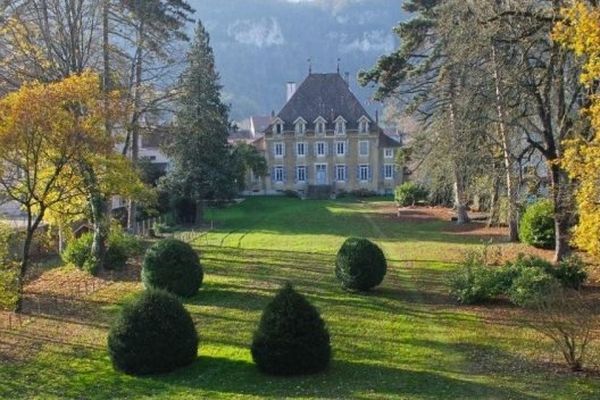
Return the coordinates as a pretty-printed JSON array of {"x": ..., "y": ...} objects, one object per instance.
[
  {"x": 278, "y": 126},
  {"x": 300, "y": 126},
  {"x": 340, "y": 125},
  {"x": 320, "y": 125},
  {"x": 363, "y": 124}
]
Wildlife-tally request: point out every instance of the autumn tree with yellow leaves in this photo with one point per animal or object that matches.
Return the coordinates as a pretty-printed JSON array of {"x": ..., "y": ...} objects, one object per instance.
[
  {"x": 52, "y": 142},
  {"x": 579, "y": 30}
]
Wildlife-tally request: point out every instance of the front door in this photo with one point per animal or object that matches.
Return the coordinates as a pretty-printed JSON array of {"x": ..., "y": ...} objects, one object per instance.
[{"x": 321, "y": 174}]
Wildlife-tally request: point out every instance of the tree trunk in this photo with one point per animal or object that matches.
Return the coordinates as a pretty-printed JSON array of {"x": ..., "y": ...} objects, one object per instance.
[
  {"x": 100, "y": 218},
  {"x": 562, "y": 210},
  {"x": 199, "y": 212},
  {"x": 462, "y": 217},
  {"x": 32, "y": 226},
  {"x": 135, "y": 120},
  {"x": 493, "y": 219},
  {"x": 513, "y": 234}
]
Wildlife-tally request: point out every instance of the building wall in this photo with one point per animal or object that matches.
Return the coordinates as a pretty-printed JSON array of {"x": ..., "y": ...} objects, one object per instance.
[{"x": 352, "y": 160}]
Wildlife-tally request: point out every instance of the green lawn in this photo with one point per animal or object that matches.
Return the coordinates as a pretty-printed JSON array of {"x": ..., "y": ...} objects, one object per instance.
[{"x": 405, "y": 340}]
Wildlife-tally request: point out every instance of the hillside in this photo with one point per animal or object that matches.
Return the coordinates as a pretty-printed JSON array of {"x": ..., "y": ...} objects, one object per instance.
[{"x": 262, "y": 44}]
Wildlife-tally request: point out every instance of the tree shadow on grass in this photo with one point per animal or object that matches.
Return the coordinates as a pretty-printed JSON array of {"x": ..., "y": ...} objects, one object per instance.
[{"x": 343, "y": 379}]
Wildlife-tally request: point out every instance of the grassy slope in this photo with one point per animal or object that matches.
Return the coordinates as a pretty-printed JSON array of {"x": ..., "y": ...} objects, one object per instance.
[{"x": 404, "y": 341}]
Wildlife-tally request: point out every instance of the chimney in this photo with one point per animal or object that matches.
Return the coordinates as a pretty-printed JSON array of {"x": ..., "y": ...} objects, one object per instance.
[
  {"x": 291, "y": 89},
  {"x": 273, "y": 114},
  {"x": 347, "y": 78}
]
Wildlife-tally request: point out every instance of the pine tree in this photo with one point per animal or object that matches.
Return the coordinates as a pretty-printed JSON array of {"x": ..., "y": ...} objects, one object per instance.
[{"x": 199, "y": 150}]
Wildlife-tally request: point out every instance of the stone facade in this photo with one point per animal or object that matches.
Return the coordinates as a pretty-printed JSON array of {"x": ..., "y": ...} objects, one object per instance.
[{"x": 324, "y": 138}]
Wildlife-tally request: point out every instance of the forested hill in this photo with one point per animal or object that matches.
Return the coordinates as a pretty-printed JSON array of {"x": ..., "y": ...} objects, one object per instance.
[{"x": 262, "y": 44}]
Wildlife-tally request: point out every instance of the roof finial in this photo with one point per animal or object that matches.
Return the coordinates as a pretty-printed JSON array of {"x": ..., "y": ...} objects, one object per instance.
[
  {"x": 338, "y": 65},
  {"x": 309, "y": 66}
]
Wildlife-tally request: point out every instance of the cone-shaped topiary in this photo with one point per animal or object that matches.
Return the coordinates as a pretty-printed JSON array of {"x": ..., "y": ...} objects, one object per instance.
[
  {"x": 360, "y": 264},
  {"x": 292, "y": 338},
  {"x": 172, "y": 265},
  {"x": 154, "y": 333}
]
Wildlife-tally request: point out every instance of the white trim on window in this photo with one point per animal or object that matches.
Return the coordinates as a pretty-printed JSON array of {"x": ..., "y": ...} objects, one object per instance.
[
  {"x": 363, "y": 124},
  {"x": 320, "y": 149},
  {"x": 300, "y": 145},
  {"x": 340, "y": 173},
  {"x": 388, "y": 171},
  {"x": 301, "y": 174},
  {"x": 320, "y": 126},
  {"x": 363, "y": 145},
  {"x": 300, "y": 126},
  {"x": 341, "y": 148},
  {"x": 363, "y": 172},
  {"x": 278, "y": 149},
  {"x": 388, "y": 152},
  {"x": 279, "y": 174},
  {"x": 340, "y": 126}
]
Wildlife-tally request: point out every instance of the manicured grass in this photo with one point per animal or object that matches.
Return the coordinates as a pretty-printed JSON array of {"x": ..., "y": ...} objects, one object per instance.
[{"x": 404, "y": 340}]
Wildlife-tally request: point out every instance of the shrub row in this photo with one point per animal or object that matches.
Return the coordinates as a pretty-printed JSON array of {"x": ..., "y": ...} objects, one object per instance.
[{"x": 524, "y": 280}]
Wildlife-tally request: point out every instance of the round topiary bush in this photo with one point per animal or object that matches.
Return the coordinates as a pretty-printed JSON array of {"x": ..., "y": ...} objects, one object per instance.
[
  {"x": 537, "y": 225},
  {"x": 360, "y": 264},
  {"x": 153, "y": 334},
  {"x": 172, "y": 265},
  {"x": 292, "y": 338}
]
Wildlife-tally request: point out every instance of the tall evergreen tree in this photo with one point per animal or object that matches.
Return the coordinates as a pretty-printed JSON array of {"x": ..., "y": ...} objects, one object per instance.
[{"x": 201, "y": 156}]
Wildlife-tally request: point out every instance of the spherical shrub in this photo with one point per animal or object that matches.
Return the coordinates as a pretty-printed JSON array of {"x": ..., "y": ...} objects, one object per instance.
[
  {"x": 172, "y": 265},
  {"x": 360, "y": 264},
  {"x": 154, "y": 333},
  {"x": 291, "y": 338},
  {"x": 537, "y": 225}
]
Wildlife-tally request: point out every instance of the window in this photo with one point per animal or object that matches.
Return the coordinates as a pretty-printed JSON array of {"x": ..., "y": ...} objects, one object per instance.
[
  {"x": 301, "y": 149},
  {"x": 364, "y": 173},
  {"x": 388, "y": 171},
  {"x": 340, "y": 148},
  {"x": 388, "y": 153},
  {"x": 363, "y": 148},
  {"x": 321, "y": 149},
  {"x": 320, "y": 127},
  {"x": 301, "y": 174},
  {"x": 363, "y": 126},
  {"x": 340, "y": 127},
  {"x": 300, "y": 128},
  {"x": 340, "y": 173},
  {"x": 279, "y": 175},
  {"x": 278, "y": 149},
  {"x": 279, "y": 128}
]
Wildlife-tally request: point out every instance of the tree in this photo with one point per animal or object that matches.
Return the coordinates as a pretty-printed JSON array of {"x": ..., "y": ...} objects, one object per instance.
[
  {"x": 533, "y": 96},
  {"x": 201, "y": 156},
  {"x": 51, "y": 136},
  {"x": 248, "y": 159},
  {"x": 580, "y": 32}
]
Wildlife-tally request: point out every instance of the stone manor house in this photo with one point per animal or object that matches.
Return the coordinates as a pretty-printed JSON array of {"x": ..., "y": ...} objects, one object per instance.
[{"x": 323, "y": 143}]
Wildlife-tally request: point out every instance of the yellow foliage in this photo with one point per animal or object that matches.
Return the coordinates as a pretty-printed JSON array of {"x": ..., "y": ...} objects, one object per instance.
[
  {"x": 50, "y": 132},
  {"x": 579, "y": 31}
]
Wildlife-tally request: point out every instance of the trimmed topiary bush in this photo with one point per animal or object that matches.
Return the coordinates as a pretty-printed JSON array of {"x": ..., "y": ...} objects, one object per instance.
[
  {"x": 79, "y": 251},
  {"x": 154, "y": 333},
  {"x": 291, "y": 339},
  {"x": 172, "y": 265},
  {"x": 537, "y": 225},
  {"x": 360, "y": 264}
]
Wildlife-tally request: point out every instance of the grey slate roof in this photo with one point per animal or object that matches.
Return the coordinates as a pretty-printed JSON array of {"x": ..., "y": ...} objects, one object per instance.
[{"x": 325, "y": 95}]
